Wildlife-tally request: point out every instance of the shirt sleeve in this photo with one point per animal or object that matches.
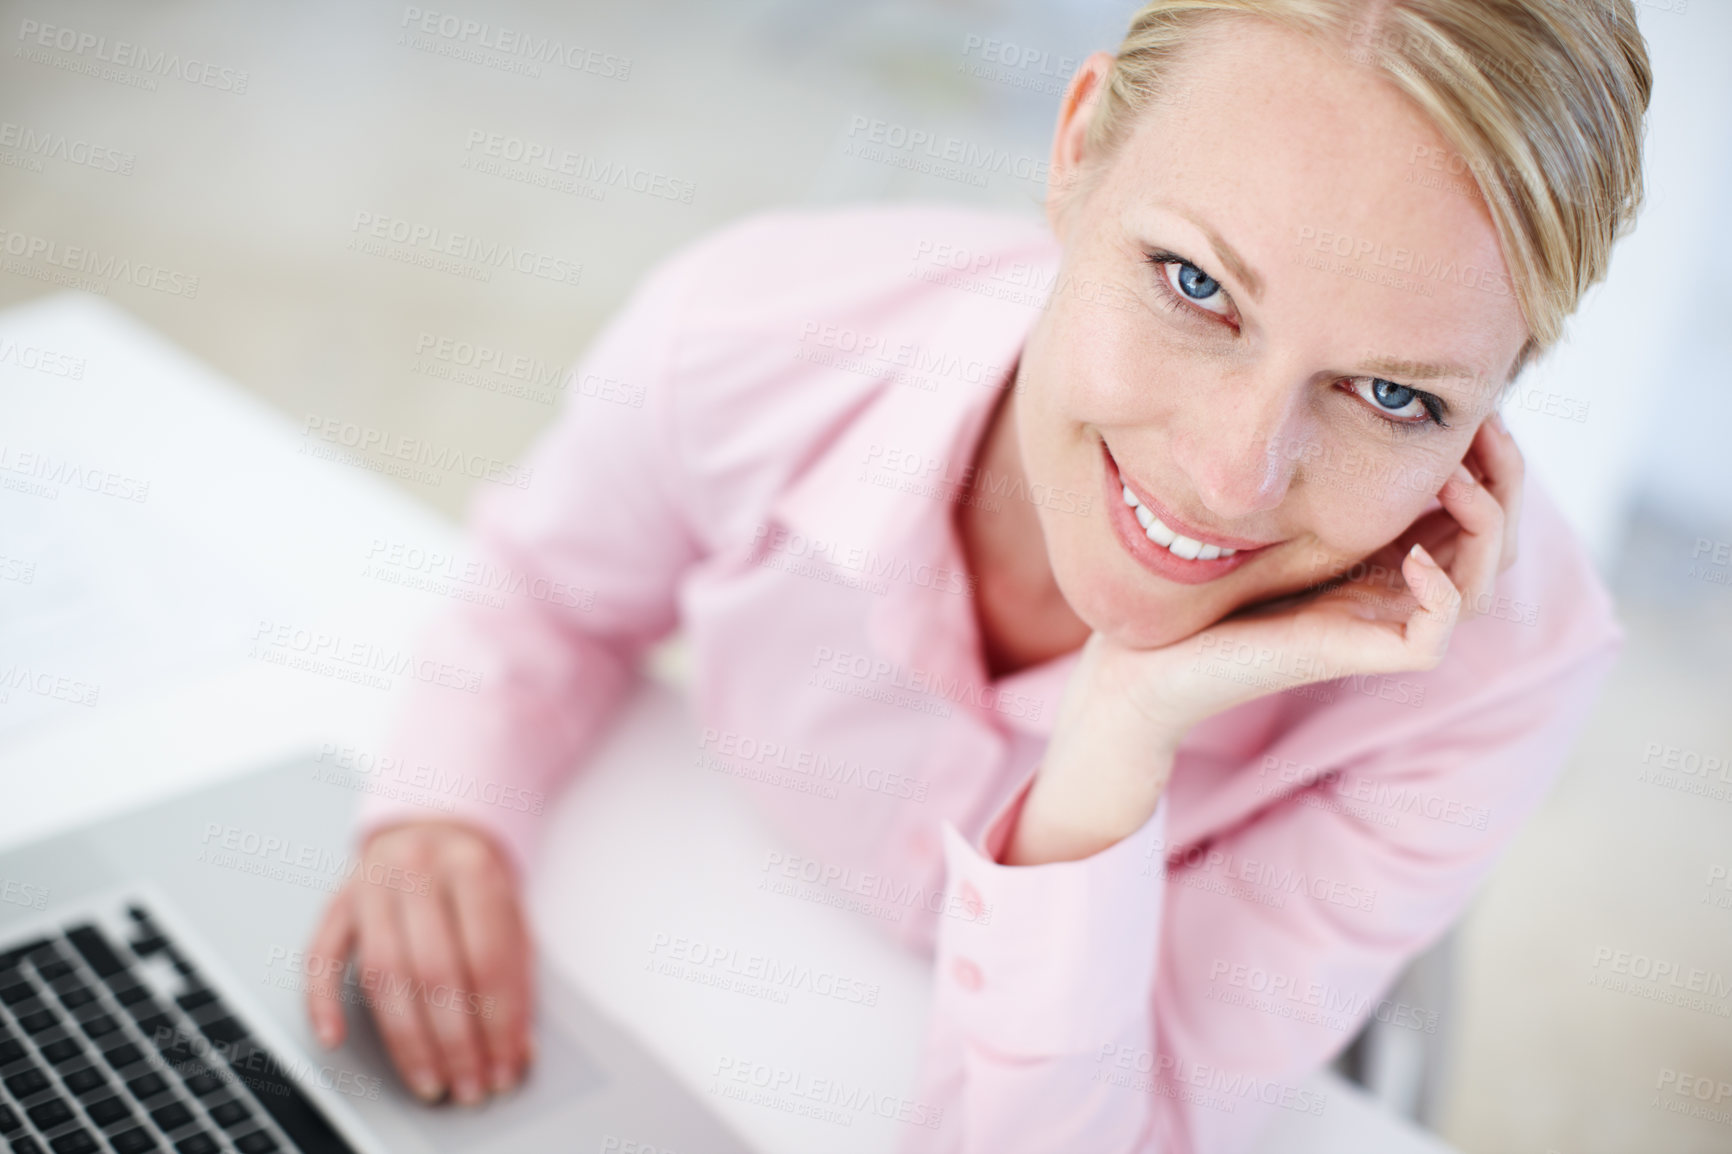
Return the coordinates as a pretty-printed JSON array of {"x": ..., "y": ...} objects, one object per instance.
[
  {"x": 575, "y": 573},
  {"x": 1150, "y": 1001}
]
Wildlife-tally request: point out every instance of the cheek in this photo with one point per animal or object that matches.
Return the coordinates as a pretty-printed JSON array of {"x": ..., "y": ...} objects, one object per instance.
[{"x": 1350, "y": 522}]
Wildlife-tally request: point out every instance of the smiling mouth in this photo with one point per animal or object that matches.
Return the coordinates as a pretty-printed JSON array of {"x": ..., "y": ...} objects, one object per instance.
[
  {"x": 1173, "y": 542},
  {"x": 1155, "y": 538}
]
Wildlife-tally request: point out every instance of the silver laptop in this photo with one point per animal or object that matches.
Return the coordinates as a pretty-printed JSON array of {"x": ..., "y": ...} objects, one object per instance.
[{"x": 151, "y": 999}]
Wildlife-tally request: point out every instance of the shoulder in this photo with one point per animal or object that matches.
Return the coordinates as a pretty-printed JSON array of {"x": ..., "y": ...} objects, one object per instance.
[{"x": 785, "y": 326}]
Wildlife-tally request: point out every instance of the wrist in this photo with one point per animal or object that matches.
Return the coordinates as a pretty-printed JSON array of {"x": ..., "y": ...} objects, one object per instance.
[{"x": 1065, "y": 818}]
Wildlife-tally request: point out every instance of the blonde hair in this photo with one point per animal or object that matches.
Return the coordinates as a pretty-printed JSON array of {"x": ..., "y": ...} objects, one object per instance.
[{"x": 1543, "y": 99}]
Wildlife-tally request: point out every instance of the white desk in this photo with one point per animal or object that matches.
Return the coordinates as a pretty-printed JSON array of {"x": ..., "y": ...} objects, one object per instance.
[{"x": 155, "y": 603}]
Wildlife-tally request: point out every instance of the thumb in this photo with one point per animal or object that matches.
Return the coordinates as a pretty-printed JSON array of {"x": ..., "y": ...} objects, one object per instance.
[{"x": 331, "y": 945}]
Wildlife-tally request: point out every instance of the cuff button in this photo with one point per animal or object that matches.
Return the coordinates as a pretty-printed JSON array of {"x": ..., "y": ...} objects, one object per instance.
[{"x": 967, "y": 974}]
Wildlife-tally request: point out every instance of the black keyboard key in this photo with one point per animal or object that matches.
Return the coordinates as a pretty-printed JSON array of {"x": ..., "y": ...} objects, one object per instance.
[
  {"x": 27, "y": 1082},
  {"x": 11, "y": 1049},
  {"x": 17, "y": 992},
  {"x": 146, "y": 1085},
  {"x": 121, "y": 1056},
  {"x": 9, "y": 959},
  {"x": 58, "y": 968},
  {"x": 98, "y": 1026},
  {"x": 9, "y": 1120},
  {"x": 39, "y": 1021},
  {"x": 230, "y": 1114},
  {"x": 160, "y": 1029},
  {"x": 47, "y": 1115},
  {"x": 85, "y": 1081},
  {"x": 200, "y": 1080},
  {"x": 144, "y": 1007},
  {"x": 258, "y": 1142},
  {"x": 225, "y": 1031},
  {"x": 149, "y": 944},
  {"x": 108, "y": 1111},
  {"x": 199, "y": 1143},
  {"x": 130, "y": 995},
  {"x": 74, "y": 994},
  {"x": 172, "y": 1116},
  {"x": 193, "y": 999},
  {"x": 62, "y": 1050},
  {"x": 25, "y": 1144},
  {"x": 88, "y": 940},
  {"x": 76, "y": 1141},
  {"x": 133, "y": 1141}
]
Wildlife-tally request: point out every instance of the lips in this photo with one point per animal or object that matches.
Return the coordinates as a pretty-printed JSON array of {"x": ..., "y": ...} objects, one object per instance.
[{"x": 1164, "y": 544}]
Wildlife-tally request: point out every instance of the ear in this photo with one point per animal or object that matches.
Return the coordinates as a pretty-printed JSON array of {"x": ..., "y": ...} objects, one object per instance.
[{"x": 1070, "y": 138}]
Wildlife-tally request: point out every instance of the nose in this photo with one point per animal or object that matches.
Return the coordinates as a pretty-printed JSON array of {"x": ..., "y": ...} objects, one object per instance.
[{"x": 1237, "y": 446}]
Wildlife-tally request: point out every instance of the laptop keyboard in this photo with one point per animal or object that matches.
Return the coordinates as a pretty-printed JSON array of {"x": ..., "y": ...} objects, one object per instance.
[{"x": 113, "y": 1042}]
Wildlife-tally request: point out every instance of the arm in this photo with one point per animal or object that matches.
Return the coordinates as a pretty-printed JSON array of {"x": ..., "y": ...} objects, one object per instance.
[
  {"x": 582, "y": 566},
  {"x": 583, "y": 563},
  {"x": 1126, "y": 1003}
]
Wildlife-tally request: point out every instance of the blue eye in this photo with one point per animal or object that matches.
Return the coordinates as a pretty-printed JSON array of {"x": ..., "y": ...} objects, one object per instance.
[
  {"x": 1192, "y": 285},
  {"x": 1196, "y": 284},
  {"x": 1404, "y": 405},
  {"x": 1391, "y": 395}
]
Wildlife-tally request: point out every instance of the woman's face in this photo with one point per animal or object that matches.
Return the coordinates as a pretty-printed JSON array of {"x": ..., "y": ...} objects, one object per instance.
[{"x": 1267, "y": 301}]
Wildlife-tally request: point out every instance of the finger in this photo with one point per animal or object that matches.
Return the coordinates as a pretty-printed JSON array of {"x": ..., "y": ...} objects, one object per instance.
[
  {"x": 1503, "y": 472},
  {"x": 1429, "y": 629},
  {"x": 430, "y": 932},
  {"x": 389, "y": 975},
  {"x": 495, "y": 945},
  {"x": 329, "y": 951},
  {"x": 1474, "y": 566}
]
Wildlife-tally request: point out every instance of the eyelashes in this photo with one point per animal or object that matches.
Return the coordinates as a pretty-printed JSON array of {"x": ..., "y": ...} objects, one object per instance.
[
  {"x": 1175, "y": 274},
  {"x": 1185, "y": 288}
]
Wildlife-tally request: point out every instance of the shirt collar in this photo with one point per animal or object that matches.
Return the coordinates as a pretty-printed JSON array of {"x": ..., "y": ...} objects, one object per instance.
[{"x": 883, "y": 492}]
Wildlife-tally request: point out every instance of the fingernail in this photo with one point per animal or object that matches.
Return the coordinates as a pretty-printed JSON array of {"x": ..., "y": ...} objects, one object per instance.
[
  {"x": 327, "y": 1035},
  {"x": 469, "y": 1090},
  {"x": 501, "y": 1077},
  {"x": 1418, "y": 551},
  {"x": 427, "y": 1086}
]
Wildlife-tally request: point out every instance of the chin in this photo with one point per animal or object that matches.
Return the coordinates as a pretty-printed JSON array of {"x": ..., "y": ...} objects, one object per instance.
[{"x": 1130, "y": 614}]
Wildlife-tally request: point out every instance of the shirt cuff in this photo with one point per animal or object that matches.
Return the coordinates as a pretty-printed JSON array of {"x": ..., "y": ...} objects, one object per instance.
[{"x": 1054, "y": 958}]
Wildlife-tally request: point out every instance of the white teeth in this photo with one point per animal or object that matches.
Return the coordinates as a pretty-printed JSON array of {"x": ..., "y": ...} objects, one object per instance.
[{"x": 1161, "y": 535}]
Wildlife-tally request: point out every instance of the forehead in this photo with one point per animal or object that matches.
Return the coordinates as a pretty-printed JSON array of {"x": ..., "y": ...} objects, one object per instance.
[{"x": 1334, "y": 189}]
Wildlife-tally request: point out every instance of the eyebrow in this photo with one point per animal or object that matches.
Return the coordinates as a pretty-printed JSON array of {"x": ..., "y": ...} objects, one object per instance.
[{"x": 1419, "y": 370}]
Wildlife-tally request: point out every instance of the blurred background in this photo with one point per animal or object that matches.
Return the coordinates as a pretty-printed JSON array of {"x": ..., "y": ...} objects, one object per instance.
[{"x": 311, "y": 120}]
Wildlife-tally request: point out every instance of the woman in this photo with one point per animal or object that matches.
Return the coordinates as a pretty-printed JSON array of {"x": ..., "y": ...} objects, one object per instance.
[{"x": 1163, "y": 565}]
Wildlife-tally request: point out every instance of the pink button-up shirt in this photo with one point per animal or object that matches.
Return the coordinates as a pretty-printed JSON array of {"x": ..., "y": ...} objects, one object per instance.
[{"x": 763, "y": 449}]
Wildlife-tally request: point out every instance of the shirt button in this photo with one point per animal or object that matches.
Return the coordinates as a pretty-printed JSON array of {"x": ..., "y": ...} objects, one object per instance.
[
  {"x": 971, "y": 900},
  {"x": 967, "y": 974},
  {"x": 921, "y": 842}
]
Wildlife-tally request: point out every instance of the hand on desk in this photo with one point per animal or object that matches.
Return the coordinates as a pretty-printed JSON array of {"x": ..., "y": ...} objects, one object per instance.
[{"x": 444, "y": 959}]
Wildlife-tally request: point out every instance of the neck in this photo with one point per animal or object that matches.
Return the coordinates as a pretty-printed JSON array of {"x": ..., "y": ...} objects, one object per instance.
[{"x": 1023, "y": 617}]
